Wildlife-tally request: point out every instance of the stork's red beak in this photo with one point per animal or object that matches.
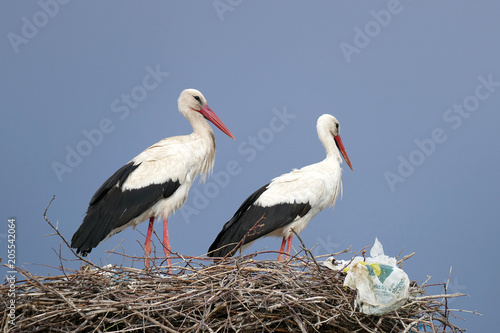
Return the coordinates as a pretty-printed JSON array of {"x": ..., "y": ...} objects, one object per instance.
[
  {"x": 207, "y": 112},
  {"x": 338, "y": 140}
]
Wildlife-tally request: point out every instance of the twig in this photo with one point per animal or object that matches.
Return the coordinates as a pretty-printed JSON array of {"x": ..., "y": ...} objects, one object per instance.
[
  {"x": 242, "y": 241},
  {"x": 307, "y": 250},
  {"x": 406, "y": 257},
  {"x": 65, "y": 241}
]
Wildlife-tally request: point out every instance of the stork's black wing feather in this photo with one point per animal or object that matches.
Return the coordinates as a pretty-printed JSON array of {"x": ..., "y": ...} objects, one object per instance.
[
  {"x": 252, "y": 221},
  {"x": 118, "y": 178},
  {"x": 111, "y": 207}
]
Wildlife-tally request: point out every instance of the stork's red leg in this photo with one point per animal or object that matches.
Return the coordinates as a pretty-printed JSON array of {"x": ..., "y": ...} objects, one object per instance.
[
  {"x": 147, "y": 245},
  {"x": 288, "y": 247},
  {"x": 166, "y": 241},
  {"x": 282, "y": 249}
]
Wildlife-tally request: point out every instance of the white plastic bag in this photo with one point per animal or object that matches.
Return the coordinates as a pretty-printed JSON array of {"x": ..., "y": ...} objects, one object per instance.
[{"x": 381, "y": 285}]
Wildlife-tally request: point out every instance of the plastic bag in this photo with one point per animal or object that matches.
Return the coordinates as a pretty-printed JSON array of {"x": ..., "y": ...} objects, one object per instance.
[{"x": 381, "y": 285}]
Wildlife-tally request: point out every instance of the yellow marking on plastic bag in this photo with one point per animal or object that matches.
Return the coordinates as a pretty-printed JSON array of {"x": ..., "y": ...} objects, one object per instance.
[{"x": 376, "y": 269}]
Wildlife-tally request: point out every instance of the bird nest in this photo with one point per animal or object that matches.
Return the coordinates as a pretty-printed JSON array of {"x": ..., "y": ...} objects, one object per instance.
[
  {"x": 237, "y": 295},
  {"x": 234, "y": 295}
]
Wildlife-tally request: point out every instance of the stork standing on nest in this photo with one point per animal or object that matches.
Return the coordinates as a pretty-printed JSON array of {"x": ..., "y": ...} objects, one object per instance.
[
  {"x": 290, "y": 201},
  {"x": 155, "y": 183}
]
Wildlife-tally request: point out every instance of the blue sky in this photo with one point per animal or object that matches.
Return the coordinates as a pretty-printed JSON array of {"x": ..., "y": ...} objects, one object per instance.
[{"x": 86, "y": 86}]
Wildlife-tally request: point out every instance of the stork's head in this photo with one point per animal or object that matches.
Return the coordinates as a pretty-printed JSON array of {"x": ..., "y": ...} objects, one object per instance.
[
  {"x": 327, "y": 126},
  {"x": 191, "y": 100}
]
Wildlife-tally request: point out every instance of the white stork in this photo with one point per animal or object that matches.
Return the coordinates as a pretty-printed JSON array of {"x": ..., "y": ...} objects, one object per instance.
[
  {"x": 290, "y": 201},
  {"x": 155, "y": 183}
]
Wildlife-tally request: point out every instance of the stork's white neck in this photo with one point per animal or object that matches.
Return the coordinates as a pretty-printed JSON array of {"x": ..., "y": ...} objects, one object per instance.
[
  {"x": 199, "y": 123},
  {"x": 203, "y": 143},
  {"x": 328, "y": 141}
]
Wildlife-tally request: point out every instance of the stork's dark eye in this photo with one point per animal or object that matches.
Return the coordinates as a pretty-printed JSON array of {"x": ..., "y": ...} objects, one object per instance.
[
  {"x": 337, "y": 124},
  {"x": 197, "y": 98}
]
